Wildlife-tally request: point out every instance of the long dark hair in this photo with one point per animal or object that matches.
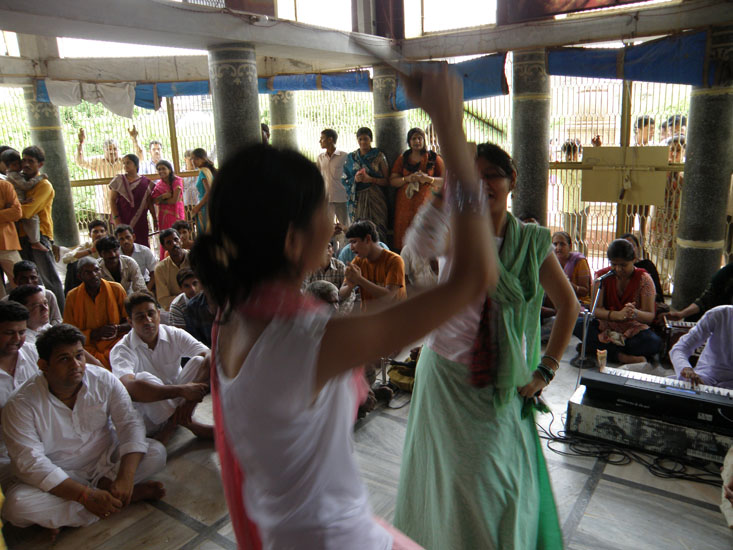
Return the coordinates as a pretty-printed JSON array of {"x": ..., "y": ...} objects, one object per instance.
[
  {"x": 200, "y": 153},
  {"x": 172, "y": 174},
  {"x": 420, "y": 131},
  {"x": 257, "y": 196},
  {"x": 496, "y": 156},
  {"x": 621, "y": 249}
]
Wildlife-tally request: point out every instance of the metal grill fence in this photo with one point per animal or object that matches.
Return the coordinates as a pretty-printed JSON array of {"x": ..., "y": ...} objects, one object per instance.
[{"x": 581, "y": 110}]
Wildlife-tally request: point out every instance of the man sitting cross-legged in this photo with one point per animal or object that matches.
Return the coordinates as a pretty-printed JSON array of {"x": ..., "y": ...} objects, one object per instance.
[
  {"x": 97, "y": 307},
  {"x": 26, "y": 273},
  {"x": 119, "y": 268},
  {"x": 73, "y": 466},
  {"x": 380, "y": 275},
  {"x": 148, "y": 362},
  {"x": 18, "y": 363}
]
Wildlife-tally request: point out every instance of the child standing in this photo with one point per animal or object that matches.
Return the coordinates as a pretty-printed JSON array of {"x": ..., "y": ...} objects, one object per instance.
[{"x": 32, "y": 225}]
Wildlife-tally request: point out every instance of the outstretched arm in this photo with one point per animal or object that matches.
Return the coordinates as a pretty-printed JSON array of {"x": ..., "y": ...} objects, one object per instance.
[{"x": 440, "y": 93}]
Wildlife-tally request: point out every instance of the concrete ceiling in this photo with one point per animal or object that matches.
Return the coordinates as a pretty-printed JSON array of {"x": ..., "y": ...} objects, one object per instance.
[{"x": 290, "y": 47}]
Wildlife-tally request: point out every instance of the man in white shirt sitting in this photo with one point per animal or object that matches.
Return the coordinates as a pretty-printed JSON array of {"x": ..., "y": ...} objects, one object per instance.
[
  {"x": 715, "y": 366},
  {"x": 73, "y": 467},
  {"x": 119, "y": 268},
  {"x": 144, "y": 257},
  {"x": 26, "y": 273},
  {"x": 148, "y": 362},
  {"x": 18, "y": 363},
  {"x": 34, "y": 300}
]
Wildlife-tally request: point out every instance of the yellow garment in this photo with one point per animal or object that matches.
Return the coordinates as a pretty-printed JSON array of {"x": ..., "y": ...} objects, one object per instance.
[
  {"x": 2, "y": 540},
  {"x": 10, "y": 212},
  {"x": 42, "y": 194},
  {"x": 87, "y": 315},
  {"x": 389, "y": 269},
  {"x": 166, "y": 285}
]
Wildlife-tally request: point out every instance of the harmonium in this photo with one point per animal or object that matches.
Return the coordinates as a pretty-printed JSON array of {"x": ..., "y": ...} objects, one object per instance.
[
  {"x": 673, "y": 331},
  {"x": 654, "y": 414}
]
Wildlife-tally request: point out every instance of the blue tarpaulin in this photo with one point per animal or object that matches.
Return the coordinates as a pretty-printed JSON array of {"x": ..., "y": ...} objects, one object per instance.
[
  {"x": 678, "y": 59},
  {"x": 356, "y": 81},
  {"x": 482, "y": 77},
  {"x": 145, "y": 95}
]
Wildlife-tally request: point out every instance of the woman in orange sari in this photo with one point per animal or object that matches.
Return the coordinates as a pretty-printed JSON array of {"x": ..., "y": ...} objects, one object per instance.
[{"x": 415, "y": 173}]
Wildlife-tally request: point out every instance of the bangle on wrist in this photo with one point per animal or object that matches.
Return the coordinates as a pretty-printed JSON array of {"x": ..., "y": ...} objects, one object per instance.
[
  {"x": 82, "y": 498},
  {"x": 553, "y": 360},
  {"x": 546, "y": 372}
]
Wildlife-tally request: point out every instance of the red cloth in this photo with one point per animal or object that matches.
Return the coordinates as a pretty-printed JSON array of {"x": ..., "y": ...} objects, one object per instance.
[
  {"x": 265, "y": 303},
  {"x": 611, "y": 300},
  {"x": 232, "y": 477},
  {"x": 484, "y": 351}
]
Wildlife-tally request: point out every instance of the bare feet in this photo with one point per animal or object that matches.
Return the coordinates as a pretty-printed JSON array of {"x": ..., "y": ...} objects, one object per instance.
[
  {"x": 627, "y": 359},
  {"x": 39, "y": 246},
  {"x": 54, "y": 535},
  {"x": 148, "y": 490},
  {"x": 202, "y": 431},
  {"x": 166, "y": 432}
]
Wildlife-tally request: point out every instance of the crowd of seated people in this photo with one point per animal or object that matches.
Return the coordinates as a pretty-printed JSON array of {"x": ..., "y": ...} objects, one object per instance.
[
  {"x": 91, "y": 381},
  {"x": 128, "y": 323}
]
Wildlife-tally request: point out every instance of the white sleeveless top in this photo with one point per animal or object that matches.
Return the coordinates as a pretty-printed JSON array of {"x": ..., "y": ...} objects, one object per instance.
[{"x": 302, "y": 488}]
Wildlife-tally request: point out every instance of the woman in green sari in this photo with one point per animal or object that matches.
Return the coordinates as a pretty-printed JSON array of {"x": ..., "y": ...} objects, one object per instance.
[
  {"x": 473, "y": 473},
  {"x": 365, "y": 171}
]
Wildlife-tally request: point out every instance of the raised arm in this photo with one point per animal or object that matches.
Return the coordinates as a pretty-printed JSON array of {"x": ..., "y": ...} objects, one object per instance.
[
  {"x": 79, "y": 156},
  {"x": 440, "y": 93}
]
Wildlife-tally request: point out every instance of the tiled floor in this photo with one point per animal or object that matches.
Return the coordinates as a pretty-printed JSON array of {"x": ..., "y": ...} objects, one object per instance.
[{"x": 601, "y": 507}]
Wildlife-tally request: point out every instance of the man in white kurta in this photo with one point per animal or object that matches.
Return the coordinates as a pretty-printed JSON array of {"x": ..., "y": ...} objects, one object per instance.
[
  {"x": 73, "y": 468},
  {"x": 18, "y": 363},
  {"x": 148, "y": 362},
  {"x": 715, "y": 366}
]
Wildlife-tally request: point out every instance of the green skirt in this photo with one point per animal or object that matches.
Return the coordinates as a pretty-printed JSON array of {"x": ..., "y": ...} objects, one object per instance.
[{"x": 472, "y": 477}]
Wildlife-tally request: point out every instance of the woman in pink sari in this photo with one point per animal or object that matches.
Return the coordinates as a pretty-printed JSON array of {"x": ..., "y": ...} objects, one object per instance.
[
  {"x": 283, "y": 384},
  {"x": 168, "y": 195},
  {"x": 130, "y": 200}
]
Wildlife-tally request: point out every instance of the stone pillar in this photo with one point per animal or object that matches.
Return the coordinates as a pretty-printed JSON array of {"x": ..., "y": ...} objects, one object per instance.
[
  {"x": 233, "y": 78},
  {"x": 283, "y": 127},
  {"x": 390, "y": 127},
  {"x": 708, "y": 168},
  {"x": 46, "y": 132},
  {"x": 531, "y": 134}
]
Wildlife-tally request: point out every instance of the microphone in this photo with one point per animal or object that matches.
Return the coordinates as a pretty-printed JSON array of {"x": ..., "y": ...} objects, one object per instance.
[{"x": 606, "y": 275}]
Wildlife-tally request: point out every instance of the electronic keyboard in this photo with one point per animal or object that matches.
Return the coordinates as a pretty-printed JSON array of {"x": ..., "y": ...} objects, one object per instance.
[{"x": 666, "y": 399}]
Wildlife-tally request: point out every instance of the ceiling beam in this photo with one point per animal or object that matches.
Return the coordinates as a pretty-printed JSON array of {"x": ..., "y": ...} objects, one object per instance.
[
  {"x": 173, "y": 24},
  {"x": 575, "y": 29}
]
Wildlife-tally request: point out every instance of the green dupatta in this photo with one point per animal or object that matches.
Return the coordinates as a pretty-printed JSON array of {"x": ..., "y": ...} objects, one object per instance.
[{"x": 519, "y": 298}]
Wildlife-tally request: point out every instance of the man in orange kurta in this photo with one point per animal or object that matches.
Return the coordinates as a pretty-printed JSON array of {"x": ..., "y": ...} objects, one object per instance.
[
  {"x": 379, "y": 273},
  {"x": 97, "y": 308}
]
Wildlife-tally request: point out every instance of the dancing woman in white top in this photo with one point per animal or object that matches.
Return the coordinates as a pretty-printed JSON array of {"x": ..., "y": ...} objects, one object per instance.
[{"x": 282, "y": 383}]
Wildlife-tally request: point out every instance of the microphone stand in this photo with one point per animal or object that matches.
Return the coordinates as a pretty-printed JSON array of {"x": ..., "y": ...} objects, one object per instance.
[{"x": 588, "y": 316}]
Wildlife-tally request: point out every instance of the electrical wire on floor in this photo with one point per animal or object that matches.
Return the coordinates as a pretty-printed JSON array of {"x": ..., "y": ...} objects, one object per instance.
[{"x": 659, "y": 466}]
